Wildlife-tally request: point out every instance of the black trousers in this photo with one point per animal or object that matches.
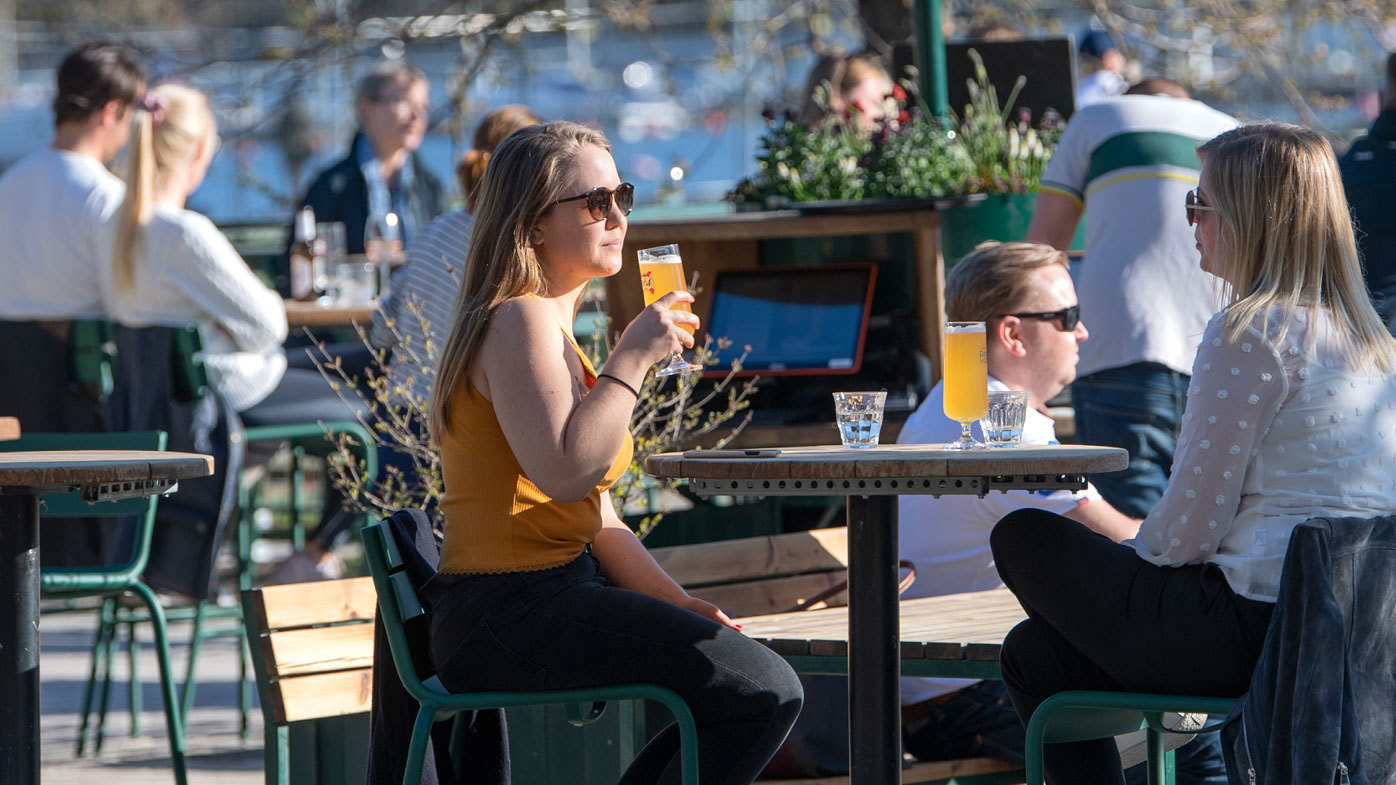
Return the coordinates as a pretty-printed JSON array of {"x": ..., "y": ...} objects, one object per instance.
[
  {"x": 565, "y": 628},
  {"x": 1101, "y": 618}
]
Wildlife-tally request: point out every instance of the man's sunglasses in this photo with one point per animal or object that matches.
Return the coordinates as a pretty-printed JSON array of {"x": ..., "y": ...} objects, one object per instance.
[
  {"x": 1194, "y": 202},
  {"x": 1068, "y": 317},
  {"x": 599, "y": 200}
]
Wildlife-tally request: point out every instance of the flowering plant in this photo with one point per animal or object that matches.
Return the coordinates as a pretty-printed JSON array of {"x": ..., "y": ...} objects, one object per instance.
[{"x": 910, "y": 152}]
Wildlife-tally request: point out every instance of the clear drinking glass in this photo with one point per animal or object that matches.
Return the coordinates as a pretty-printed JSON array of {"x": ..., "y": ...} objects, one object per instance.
[
  {"x": 331, "y": 234},
  {"x": 383, "y": 245},
  {"x": 661, "y": 272},
  {"x": 1007, "y": 413},
  {"x": 966, "y": 379},
  {"x": 859, "y": 416}
]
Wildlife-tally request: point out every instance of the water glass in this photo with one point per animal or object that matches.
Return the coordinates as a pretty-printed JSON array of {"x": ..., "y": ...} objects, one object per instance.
[
  {"x": 1008, "y": 411},
  {"x": 859, "y": 416},
  {"x": 357, "y": 281},
  {"x": 331, "y": 237}
]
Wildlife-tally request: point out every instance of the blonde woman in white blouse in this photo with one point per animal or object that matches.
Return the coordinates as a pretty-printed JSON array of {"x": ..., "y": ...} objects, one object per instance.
[{"x": 1291, "y": 414}]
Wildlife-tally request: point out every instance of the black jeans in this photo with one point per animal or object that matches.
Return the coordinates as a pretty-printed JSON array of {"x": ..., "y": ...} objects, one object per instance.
[
  {"x": 565, "y": 628},
  {"x": 1101, "y": 618}
]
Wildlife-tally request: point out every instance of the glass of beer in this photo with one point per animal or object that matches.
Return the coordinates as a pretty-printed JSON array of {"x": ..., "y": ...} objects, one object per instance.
[
  {"x": 966, "y": 382},
  {"x": 661, "y": 272}
]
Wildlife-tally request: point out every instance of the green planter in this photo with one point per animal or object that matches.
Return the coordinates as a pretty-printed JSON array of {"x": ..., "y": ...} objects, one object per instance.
[{"x": 1002, "y": 217}]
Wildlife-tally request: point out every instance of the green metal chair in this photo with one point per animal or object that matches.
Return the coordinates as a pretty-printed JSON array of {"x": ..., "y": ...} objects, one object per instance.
[
  {"x": 113, "y": 579},
  {"x": 398, "y": 604},
  {"x": 1083, "y": 715}
]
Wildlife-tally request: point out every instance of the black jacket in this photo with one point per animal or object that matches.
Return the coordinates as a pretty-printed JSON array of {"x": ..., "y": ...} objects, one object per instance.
[
  {"x": 1369, "y": 179},
  {"x": 1320, "y": 702},
  {"x": 340, "y": 193}
]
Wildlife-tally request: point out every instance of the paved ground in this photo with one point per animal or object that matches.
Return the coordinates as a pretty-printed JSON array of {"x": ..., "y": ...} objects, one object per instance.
[{"x": 217, "y": 755}]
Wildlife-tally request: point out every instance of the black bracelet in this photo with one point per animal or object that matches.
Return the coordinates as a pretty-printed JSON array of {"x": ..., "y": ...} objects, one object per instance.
[{"x": 621, "y": 382}]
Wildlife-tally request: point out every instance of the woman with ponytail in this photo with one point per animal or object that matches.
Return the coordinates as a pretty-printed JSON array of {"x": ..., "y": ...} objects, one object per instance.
[
  {"x": 172, "y": 266},
  {"x": 419, "y": 306}
]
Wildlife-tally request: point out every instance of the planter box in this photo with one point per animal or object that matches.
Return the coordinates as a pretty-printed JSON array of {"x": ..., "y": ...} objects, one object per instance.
[{"x": 1002, "y": 217}]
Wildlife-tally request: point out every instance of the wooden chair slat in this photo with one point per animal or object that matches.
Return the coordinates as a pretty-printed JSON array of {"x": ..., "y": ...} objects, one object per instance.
[
  {"x": 319, "y": 650},
  {"x": 324, "y": 695},
  {"x": 319, "y": 602},
  {"x": 756, "y": 558}
]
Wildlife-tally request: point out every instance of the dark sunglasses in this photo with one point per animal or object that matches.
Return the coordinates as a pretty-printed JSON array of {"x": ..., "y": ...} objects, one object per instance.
[
  {"x": 599, "y": 200},
  {"x": 1194, "y": 202},
  {"x": 1068, "y": 317}
]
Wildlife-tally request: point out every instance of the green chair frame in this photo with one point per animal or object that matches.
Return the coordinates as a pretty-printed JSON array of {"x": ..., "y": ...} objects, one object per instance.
[
  {"x": 106, "y": 580},
  {"x": 399, "y": 603},
  {"x": 192, "y": 383},
  {"x": 1083, "y": 715}
]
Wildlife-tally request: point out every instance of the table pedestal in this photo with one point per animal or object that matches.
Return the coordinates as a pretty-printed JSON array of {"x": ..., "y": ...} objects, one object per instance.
[
  {"x": 874, "y": 632},
  {"x": 19, "y": 638}
]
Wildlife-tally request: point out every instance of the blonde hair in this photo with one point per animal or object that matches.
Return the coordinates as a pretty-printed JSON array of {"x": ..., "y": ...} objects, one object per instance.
[
  {"x": 992, "y": 280},
  {"x": 156, "y": 149},
  {"x": 1285, "y": 236},
  {"x": 526, "y": 175},
  {"x": 839, "y": 75},
  {"x": 493, "y": 129}
]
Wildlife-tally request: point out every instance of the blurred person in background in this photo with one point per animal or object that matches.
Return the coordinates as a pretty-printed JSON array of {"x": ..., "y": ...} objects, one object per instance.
[
  {"x": 1369, "y": 178},
  {"x": 1102, "y": 69},
  {"x": 854, "y": 84},
  {"x": 172, "y": 266},
  {"x": 53, "y": 204}
]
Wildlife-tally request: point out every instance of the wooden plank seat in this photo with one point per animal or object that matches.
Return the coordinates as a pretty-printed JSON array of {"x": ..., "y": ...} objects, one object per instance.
[
  {"x": 312, "y": 651},
  {"x": 757, "y": 578}
]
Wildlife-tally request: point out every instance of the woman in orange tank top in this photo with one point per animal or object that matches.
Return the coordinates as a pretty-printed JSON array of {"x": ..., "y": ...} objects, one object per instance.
[{"x": 548, "y": 588}]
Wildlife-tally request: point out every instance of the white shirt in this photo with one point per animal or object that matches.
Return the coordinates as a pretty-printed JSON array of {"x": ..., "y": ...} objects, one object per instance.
[
  {"x": 948, "y": 538},
  {"x": 1130, "y": 161},
  {"x": 187, "y": 273},
  {"x": 1099, "y": 85},
  {"x": 1272, "y": 435},
  {"x": 421, "y": 301},
  {"x": 53, "y": 207}
]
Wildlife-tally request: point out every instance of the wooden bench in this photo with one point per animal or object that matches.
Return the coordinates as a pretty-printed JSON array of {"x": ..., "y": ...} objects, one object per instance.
[
  {"x": 312, "y": 651},
  {"x": 757, "y": 578}
]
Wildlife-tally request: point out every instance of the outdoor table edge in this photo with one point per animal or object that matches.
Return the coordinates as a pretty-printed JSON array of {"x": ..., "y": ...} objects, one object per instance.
[
  {"x": 51, "y": 469},
  {"x": 886, "y": 465}
]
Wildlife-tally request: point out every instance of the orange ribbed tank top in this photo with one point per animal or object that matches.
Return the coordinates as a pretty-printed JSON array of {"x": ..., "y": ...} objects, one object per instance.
[{"x": 497, "y": 520}]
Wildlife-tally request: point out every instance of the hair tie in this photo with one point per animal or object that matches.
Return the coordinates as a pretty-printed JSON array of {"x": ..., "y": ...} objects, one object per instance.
[{"x": 154, "y": 104}]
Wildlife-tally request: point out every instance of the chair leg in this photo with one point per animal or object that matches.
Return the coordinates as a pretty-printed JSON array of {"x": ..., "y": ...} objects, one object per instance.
[
  {"x": 417, "y": 750},
  {"x": 277, "y": 759},
  {"x": 244, "y": 683},
  {"x": 109, "y": 655},
  {"x": 196, "y": 637},
  {"x": 295, "y": 487},
  {"x": 104, "y": 629},
  {"x": 133, "y": 650},
  {"x": 1156, "y": 758},
  {"x": 174, "y": 728}
]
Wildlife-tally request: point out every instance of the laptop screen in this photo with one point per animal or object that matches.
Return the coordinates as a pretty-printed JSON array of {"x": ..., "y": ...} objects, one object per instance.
[{"x": 796, "y": 320}]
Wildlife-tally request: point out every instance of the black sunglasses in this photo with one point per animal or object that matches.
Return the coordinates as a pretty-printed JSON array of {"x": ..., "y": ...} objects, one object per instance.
[
  {"x": 1069, "y": 317},
  {"x": 1194, "y": 202},
  {"x": 599, "y": 200}
]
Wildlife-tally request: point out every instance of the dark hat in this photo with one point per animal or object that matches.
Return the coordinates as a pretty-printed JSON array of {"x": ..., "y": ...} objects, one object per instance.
[{"x": 1096, "y": 43}]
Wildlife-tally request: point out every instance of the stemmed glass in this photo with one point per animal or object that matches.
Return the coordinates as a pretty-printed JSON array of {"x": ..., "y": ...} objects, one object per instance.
[
  {"x": 966, "y": 383},
  {"x": 383, "y": 245},
  {"x": 661, "y": 272}
]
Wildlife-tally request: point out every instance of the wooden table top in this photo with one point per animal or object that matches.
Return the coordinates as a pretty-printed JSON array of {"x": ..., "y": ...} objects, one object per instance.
[
  {"x": 893, "y": 461},
  {"x": 968, "y": 626},
  {"x": 306, "y": 314},
  {"x": 9, "y": 428},
  {"x": 67, "y": 468}
]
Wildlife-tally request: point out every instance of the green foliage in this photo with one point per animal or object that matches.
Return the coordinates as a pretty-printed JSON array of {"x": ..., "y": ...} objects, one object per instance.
[{"x": 909, "y": 154}]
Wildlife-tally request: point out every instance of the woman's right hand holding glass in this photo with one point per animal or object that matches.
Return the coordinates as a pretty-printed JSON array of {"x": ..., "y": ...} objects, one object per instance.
[{"x": 658, "y": 330}]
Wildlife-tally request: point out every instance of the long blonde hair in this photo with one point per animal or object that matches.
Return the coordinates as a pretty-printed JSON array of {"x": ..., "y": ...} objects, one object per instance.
[
  {"x": 526, "y": 174},
  {"x": 1286, "y": 236},
  {"x": 161, "y": 140}
]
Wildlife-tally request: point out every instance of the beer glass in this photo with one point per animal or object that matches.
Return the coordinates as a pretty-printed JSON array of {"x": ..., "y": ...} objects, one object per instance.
[
  {"x": 661, "y": 272},
  {"x": 383, "y": 246},
  {"x": 966, "y": 383}
]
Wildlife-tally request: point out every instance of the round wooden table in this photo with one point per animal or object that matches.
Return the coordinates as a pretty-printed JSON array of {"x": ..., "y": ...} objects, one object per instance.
[
  {"x": 872, "y": 480},
  {"x": 309, "y": 314},
  {"x": 98, "y": 474}
]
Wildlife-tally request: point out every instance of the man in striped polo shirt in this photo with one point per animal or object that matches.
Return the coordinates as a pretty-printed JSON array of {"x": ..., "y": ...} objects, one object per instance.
[{"x": 1126, "y": 164}]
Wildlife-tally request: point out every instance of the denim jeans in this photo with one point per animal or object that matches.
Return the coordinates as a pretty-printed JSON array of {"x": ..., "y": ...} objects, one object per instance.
[
  {"x": 565, "y": 628},
  {"x": 1137, "y": 407},
  {"x": 1101, "y": 618}
]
